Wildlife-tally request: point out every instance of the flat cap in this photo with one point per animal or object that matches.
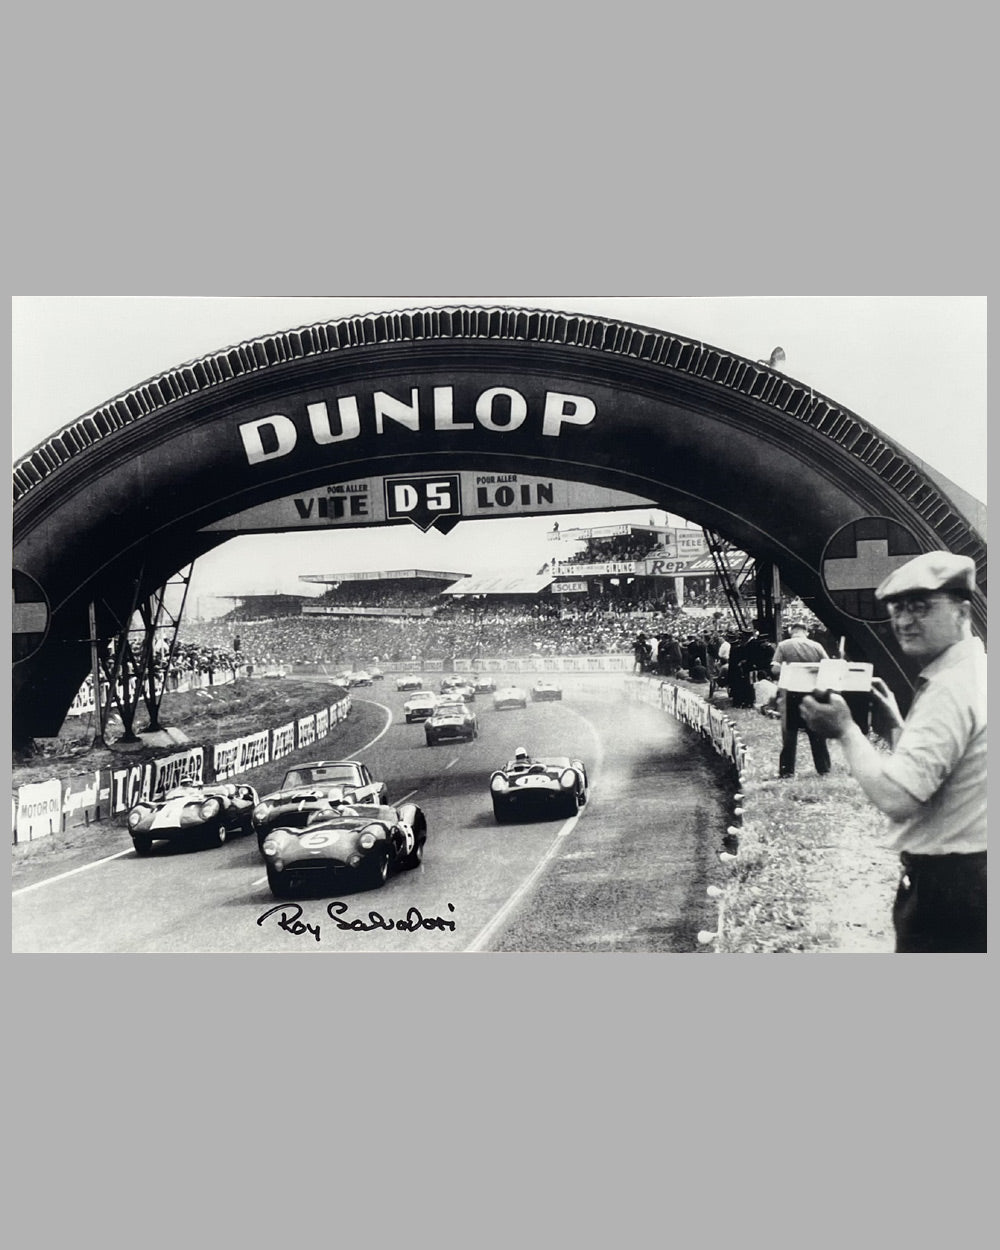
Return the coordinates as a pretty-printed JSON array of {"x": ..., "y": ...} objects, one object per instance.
[{"x": 934, "y": 570}]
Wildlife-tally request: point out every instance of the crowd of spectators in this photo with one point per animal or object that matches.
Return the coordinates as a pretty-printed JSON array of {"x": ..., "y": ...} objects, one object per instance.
[{"x": 634, "y": 546}]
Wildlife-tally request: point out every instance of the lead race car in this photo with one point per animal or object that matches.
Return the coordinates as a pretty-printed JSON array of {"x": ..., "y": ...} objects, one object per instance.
[
  {"x": 316, "y": 787},
  {"x": 193, "y": 812},
  {"x": 352, "y": 842},
  {"x": 554, "y": 785}
]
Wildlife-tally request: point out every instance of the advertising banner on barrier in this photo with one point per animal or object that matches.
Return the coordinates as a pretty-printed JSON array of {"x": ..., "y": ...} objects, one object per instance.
[
  {"x": 171, "y": 770},
  {"x": 39, "y": 810},
  {"x": 81, "y": 800},
  {"x": 323, "y": 723},
  {"x": 306, "y": 730},
  {"x": 283, "y": 741},
  {"x": 241, "y": 754}
]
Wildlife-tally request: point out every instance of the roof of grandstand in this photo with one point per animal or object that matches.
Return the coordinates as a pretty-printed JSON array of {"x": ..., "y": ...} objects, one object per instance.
[
  {"x": 525, "y": 584},
  {"x": 384, "y": 575}
]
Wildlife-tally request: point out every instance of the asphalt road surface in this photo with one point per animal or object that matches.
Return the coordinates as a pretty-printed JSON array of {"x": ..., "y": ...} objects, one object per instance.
[{"x": 628, "y": 874}]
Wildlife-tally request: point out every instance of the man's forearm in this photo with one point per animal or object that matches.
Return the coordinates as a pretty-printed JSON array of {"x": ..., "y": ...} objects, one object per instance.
[{"x": 867, "y": 767}]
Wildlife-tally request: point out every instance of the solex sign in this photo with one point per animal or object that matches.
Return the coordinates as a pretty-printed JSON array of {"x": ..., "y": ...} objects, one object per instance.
[
  {"x": 497, "y": 409},
  {"x": 426, "y": 501}
]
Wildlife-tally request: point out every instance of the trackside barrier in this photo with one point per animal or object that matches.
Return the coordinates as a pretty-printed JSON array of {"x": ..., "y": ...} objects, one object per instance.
[
  {"x": 690, "y": 708},
  {"x": 42, "y": 808}
]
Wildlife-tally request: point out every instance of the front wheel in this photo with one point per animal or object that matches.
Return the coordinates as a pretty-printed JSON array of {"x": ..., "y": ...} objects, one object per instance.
[
  {"x": 143, "y": 843},
  {"x": 416, "y": 856},
  {"x": 217, "y": 836},
  {"x": 378, "y": 870},
  {"x": 276, "y": 883},
  {"x": 500, "y": 812}
]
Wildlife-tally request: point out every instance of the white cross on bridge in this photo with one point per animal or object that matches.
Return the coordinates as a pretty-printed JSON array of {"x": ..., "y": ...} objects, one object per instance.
[
  {"x": 30, "y": 618},
  {"x": 868, "y": 569}
]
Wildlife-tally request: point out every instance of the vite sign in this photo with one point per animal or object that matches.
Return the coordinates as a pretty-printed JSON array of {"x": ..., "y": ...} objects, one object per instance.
[{"x": 498, "y": 409}]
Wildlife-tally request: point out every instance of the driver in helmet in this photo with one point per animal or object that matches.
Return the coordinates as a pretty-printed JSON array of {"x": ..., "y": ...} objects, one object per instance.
[{"x": 521, "y": 758}]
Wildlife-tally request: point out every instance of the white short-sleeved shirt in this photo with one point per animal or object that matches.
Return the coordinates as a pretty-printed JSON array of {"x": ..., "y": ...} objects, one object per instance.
[{"x": 940, "y": 756}]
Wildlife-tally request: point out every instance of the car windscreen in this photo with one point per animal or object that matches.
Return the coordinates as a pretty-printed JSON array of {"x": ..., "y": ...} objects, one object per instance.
[
  {"x": 339, "y": 774},
  {"x": 450, "y": 709}
]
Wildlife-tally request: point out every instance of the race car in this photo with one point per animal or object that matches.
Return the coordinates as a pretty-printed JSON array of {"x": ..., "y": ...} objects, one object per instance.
[
  {"x": 193, "y": 812},
  {"x": 545, "y": 691},
  {"x": 420, "y": 705},
  {"x": 554, "y": 785},
  {"x": 316, "y": 787},
  {"x": 376, "y": 673},
  {"x": 361, "y": 678},
  {"x": 458, "y": 688},
  {"x": 509, "y": 696},
  {"x": 351, "y": 841},
  {"x": 484, "y": 684},
  {"x": 451, "y": 722},
  {"x": 409, "y": 682}
]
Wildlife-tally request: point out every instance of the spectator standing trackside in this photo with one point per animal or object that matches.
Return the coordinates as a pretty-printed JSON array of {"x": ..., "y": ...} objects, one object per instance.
[
  {"x": 798, "y": 649},
  {"x": 933, "y": 785}
]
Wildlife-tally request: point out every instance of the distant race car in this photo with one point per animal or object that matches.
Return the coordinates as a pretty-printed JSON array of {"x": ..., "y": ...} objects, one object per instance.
[
  {"x": 545, "y": 691},
  {"x": 351, "y": 841},
  {"x": 193, "y": 812},
  {"x": 554, "y": 785},
  {"x": 451, "y": 722},
  {"x": 420, "y": 705},
  {"x": 316, "y": 787},
  {"x": 376, "y": 673},
  {"x": 361, "y": 678},
  {"x": 458, "y": 688},
  {"x": 409, "y": 682},
  {"x": 509, "y": 696},
  {"x": 484, "y": 684}
]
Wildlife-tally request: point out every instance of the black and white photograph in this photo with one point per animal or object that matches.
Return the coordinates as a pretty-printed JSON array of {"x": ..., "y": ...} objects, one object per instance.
[{"x": 469, "y": 625}]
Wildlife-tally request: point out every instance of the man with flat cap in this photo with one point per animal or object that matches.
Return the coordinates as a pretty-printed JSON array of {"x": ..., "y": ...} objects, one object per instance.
[{"x": 933, "y": 785}]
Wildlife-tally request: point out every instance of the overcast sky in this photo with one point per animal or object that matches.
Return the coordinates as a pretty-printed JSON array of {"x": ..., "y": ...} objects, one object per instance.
[{"x": 914, "y": 367}]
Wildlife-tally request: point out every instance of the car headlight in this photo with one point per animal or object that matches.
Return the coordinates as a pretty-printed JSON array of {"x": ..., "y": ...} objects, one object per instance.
[
  {"x": 260, "y": 812},
  {"x": 498, "y": 783},
  {"x": 269, "y": 848},
  {"x": 210, "y": 808},
  {"x": 367, "y": 839},
  {"x": 135, "y": 816},
  {"x": 567, "y": 779},
  {"x": 354, "y": 860}
]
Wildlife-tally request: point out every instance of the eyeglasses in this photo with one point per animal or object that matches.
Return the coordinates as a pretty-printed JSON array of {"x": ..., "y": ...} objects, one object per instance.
[{"x": 918, "y": 606}]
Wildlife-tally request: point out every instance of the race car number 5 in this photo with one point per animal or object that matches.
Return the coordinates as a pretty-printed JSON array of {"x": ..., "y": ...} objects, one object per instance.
[{"x": 315, "y": 839}]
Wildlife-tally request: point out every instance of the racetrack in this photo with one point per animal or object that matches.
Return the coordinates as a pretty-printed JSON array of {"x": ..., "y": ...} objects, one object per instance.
[{"x": 628, "y": 874}]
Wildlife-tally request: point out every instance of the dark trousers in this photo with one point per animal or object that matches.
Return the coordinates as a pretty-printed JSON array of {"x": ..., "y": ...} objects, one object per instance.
[
  {"x": 941, "y": 904},
  {"x": 791, "y": 723}
]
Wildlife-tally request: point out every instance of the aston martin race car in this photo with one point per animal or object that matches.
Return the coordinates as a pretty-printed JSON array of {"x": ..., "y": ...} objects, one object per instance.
[
  {"x": 420, "y": 705},
  {"x": 544, "y": 691},
  {"x": 484, "y": 684},
  {"x": 409, "y": 682},
  {"x": 458, "y": 688},
  {"x": 554, "y": 785},
  {"x": 451, "y": 722},
  {"x": 194, "y": 812},
  {"x": 509, "y": 696},
  {"x": 352, "y": 841},
  {"x": 316, "y": 787}
]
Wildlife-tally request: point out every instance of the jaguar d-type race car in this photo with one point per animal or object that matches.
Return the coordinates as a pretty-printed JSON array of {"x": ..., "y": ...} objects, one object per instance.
[
  {"x": 350, "y": 842},
  {"x": 194, "y": 812},
  {"x": 316, "y": 787},
  {"x": 451, "y": 722},
  {"x": 554, "y": 785}
]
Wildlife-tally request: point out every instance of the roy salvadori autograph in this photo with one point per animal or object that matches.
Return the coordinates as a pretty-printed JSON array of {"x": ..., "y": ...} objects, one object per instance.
[{"x": 289, "y": 917}]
